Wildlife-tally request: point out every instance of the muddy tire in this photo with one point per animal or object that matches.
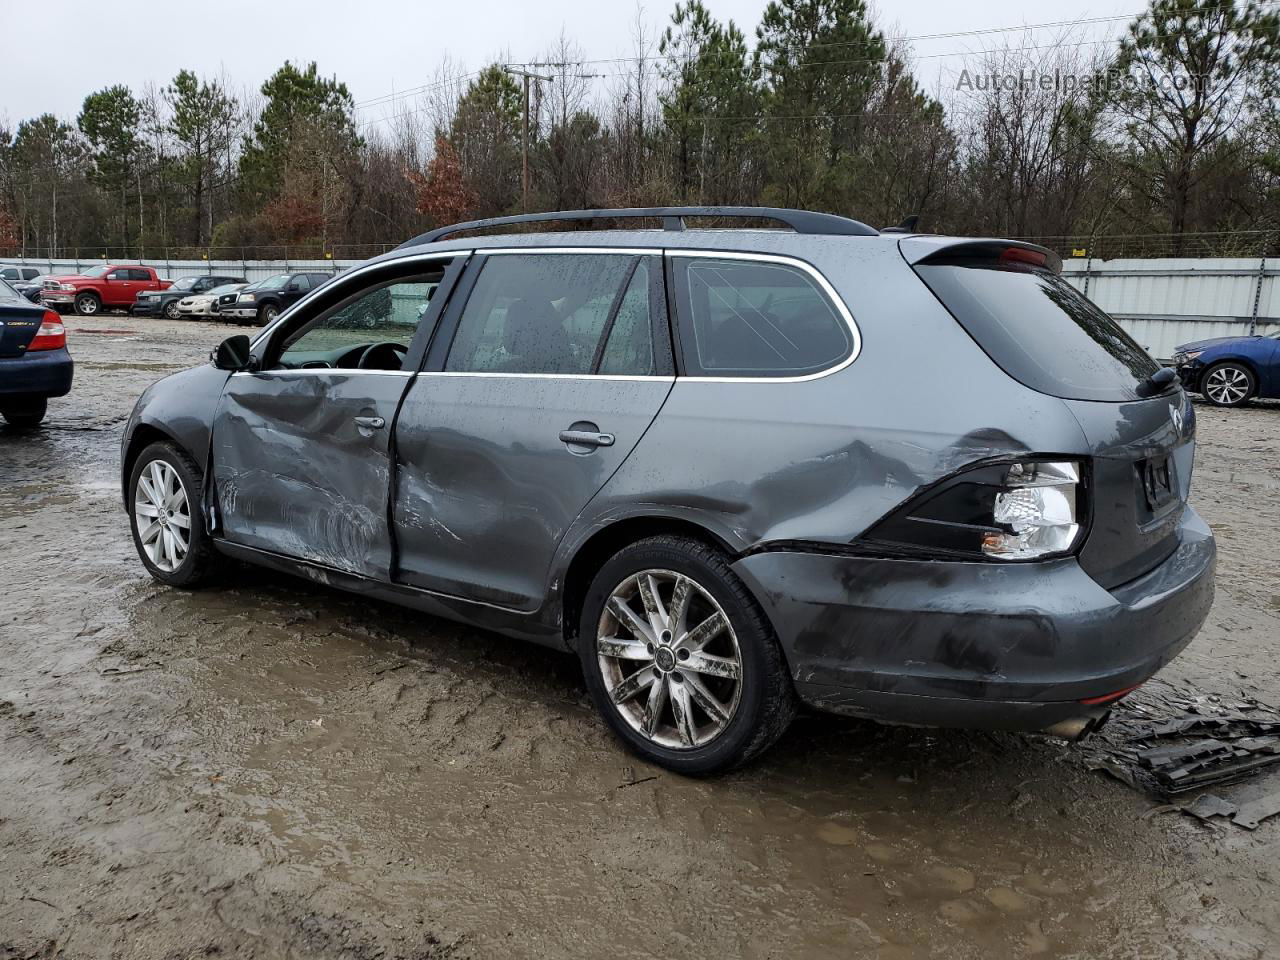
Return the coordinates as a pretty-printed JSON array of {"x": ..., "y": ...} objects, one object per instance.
[
  {"x": 165, "y": 493},
  {"x": 1228, "y": 384},
  {"x": 680, "y": 659},
  {"x": 25, "y": 415},
  {"x": 266, "y": 313},
  {"x": 88, "y": 305}
]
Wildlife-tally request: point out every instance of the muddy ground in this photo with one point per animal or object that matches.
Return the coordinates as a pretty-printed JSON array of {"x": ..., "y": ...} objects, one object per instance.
[{"x": 272, "y": 770}]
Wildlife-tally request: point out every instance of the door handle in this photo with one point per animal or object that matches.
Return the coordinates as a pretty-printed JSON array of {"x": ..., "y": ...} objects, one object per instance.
[
  {"x": 371, "y": 423},
  {"x": 587, "y": 438}
]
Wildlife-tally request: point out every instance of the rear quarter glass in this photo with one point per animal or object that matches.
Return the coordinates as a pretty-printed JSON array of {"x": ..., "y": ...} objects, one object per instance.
[{"x": 1039, "y": 329}]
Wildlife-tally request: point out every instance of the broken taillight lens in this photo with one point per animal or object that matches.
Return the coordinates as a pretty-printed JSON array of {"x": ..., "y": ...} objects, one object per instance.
[{"x": 1027, "y": 509}]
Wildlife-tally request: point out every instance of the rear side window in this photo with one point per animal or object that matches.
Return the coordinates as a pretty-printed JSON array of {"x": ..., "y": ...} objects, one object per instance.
[
  {"x": 748, "y": 318},
  {"x": 550, "y": 313},
  {"x": 139, "y": 275},
  {"x": 1039, "y": 329}
]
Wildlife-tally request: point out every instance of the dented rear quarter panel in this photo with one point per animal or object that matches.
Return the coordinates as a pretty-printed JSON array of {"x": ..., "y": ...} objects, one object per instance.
[{"x": 821, "y": 460}]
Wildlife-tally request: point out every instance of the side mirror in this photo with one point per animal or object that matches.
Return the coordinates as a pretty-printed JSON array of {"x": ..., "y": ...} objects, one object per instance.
[{"x": 233, "y": 354}]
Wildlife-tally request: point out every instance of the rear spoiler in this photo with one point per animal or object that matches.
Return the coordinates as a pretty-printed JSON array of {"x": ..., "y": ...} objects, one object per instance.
[{"x": 922, "y": 249}]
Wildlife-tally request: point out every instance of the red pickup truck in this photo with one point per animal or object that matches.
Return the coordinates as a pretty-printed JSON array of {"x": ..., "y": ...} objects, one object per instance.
[{"x": 109, "y": 286}]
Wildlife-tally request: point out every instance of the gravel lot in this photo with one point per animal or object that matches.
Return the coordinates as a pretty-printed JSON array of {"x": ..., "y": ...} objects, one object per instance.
[{"x": 268, "y": 769}]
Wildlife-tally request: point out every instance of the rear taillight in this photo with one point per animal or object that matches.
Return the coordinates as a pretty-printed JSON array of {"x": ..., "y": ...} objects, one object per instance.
[
  {"x": 52, "y": 335},
  {"x": 1027, "y": 509}
]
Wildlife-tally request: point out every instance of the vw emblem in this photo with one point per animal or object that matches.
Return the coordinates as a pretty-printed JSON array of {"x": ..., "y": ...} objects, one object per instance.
[{"x": 1175, "y": 414}]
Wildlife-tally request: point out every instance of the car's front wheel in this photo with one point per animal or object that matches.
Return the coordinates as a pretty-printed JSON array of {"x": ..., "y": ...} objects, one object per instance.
[
  {"x": 165, "y": 488},
  {"x": 171, "y": 310},
  {"x": 1228, "y": 384},
  {"x": 26, "y": 414},
  {"x": 88, "y": 304},
  {"x": 681, "y": 660},
  {"x": 267, "y": 313}
]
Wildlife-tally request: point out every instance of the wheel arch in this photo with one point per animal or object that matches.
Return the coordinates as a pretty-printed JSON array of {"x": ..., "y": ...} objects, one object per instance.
[
  {"x": 596, "y": 549},
  {"x": 145, "y": 434}
]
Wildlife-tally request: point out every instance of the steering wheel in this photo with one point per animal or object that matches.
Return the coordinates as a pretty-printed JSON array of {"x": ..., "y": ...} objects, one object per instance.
[{"x": 387, "y": 355}]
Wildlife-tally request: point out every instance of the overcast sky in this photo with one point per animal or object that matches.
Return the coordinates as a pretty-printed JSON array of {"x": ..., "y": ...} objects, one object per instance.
[{"x": 57, "y": 53}]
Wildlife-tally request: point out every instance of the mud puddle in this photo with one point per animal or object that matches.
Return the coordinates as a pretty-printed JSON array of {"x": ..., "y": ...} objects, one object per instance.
[{"x": 270, "y": 769}]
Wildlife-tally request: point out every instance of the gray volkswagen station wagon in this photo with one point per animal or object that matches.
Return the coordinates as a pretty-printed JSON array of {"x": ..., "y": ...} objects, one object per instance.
[{"x": 912, "y": 478}]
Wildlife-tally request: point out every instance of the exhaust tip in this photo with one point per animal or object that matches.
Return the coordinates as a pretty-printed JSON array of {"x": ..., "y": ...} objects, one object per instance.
[{"x": 1075, "y": 729}]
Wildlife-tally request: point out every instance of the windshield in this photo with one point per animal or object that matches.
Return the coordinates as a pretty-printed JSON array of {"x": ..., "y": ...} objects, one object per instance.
[
  {"x": 184, "y": 283},
  {"x": 6, "y": 290},
  {"x": 1040, "y": 329},
  {"x": 274, "y": 283},
  {"x": 95, "y": 271}
]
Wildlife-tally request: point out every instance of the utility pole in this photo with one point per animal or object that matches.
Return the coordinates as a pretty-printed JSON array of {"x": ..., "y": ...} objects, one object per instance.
[{"x": 524, "y": 137}]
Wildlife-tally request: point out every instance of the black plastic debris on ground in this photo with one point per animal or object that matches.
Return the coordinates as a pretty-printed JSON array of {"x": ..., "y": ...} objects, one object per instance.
[{"x": 1166, "y": 742}]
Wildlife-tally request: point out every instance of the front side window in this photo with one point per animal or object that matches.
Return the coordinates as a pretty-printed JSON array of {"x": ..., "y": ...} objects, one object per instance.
[
  {"x": 748, "y": 318},
  {"x": 548, "y": 313},
  {"x": 372, "y": 330}
]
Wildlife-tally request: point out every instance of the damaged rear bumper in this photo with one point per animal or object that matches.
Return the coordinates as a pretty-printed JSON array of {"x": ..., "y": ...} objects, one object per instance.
[{"x": 996, "y": 646}]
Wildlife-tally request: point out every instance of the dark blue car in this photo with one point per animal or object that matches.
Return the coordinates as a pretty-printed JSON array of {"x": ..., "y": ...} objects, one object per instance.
[
  {"x": 34, "y": 363},
  {"x": 1230, "y": 371}
]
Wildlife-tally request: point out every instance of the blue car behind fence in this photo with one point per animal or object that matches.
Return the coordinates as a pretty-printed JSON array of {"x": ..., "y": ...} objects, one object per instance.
[{"x": 1230, "y": 371}]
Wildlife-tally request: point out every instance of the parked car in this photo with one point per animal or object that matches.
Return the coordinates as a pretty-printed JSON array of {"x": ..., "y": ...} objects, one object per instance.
[
  {"x": 164, "y": 303},
  {"x": 31, "y": 288},
  {"x": 1230, "y": 371},
  {"x": 912, "y": 478},
  {"x": 207, "y": 304},
  {"x": 17, "y": 274},
  {"x": 106, "y": 287},
  {"x": 34, "y": 362},
  {"x": 269, "y": 297}
]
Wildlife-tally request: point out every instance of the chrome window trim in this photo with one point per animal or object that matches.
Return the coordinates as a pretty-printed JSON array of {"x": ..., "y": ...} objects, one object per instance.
[
  {"x": 322, "y": 371},
  {"x": 350, "y": 275},
  {"x": 836, "y": 301},
  {"x": 545, "y": 376}
]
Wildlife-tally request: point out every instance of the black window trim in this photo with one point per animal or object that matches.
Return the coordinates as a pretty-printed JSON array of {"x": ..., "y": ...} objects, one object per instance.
[
  {"x": 835, "y": 301},
  {"x": 660, "y": 328}
]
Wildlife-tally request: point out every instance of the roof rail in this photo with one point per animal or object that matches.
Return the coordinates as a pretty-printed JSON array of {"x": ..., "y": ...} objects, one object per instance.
[{"x": 801, "y": 221}]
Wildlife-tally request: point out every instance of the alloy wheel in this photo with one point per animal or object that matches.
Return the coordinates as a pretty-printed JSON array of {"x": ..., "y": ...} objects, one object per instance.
[
  {"x": 669, "y": 658},
  {"x": 87, "y": 306},
  {"x": 162, "y": 513},
  {"x": 1227, "y": 385},
  {"x": 171, "y": 310}
]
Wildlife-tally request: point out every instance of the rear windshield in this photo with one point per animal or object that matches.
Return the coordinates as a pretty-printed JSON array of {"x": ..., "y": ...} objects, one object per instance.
[{"x": 1040, "y": 329}]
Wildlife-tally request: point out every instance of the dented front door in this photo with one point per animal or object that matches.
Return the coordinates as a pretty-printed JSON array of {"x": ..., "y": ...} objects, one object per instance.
[{"x": 301, "y": 464}]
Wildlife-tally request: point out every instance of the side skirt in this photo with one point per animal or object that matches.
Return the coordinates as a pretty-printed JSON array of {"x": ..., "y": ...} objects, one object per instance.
[{"x": 511, "y": 623}]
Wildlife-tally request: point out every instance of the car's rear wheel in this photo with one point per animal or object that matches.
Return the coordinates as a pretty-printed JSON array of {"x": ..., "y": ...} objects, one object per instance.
[
  {"x": 88, "y": 304},
  {"x": 165, "y": 489},
  {"x": 25, "y": 414},
  {"x": 266, "y": 313},
  {"x": 1228, "y": 384},
  {"x": 680, "y": 659},
  {"x": 171, "y": 310}
]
